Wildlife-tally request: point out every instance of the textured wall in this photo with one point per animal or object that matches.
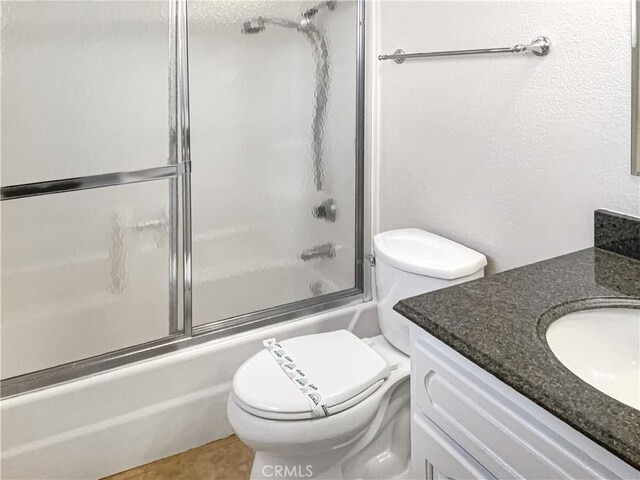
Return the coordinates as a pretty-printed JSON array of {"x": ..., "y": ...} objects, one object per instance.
[{"x": 509, "y": 155}]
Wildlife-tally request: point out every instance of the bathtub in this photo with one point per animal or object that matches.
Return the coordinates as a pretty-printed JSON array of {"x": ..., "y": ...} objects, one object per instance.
[{"x": 136, "y": 414}]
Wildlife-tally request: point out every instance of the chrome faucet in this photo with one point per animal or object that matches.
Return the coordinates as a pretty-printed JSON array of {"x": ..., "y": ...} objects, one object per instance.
[{"x": 326, "y": 250}]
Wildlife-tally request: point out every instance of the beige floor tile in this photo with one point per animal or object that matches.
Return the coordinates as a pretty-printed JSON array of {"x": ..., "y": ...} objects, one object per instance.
[
  {"x": 225, "y": 459},
  {"x": 132, "y": 474}
]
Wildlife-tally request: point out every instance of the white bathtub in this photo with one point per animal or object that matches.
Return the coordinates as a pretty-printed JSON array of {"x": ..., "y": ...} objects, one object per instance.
[{"x": 136, "y": 414}]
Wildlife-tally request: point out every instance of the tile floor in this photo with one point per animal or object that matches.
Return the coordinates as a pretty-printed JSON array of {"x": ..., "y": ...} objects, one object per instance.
[{"x": 225, "y": 459}]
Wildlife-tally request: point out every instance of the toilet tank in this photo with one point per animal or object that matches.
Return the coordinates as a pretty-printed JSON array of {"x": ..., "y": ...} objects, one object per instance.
[{"x": 410, "y": 262}]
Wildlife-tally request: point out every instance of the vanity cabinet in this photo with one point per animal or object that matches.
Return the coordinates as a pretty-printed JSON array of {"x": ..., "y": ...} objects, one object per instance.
[{"x": 468, "y": 424}]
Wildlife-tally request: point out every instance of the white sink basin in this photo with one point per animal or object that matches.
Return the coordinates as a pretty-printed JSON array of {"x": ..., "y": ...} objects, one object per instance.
[{"x": 602, "y": 347}]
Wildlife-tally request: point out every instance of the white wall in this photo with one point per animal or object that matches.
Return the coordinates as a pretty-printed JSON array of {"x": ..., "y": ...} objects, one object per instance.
[{"x": 509, "y": 155}]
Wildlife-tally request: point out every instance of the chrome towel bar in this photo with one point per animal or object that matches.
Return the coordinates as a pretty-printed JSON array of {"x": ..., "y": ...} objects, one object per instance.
[{"x": 540, "y": 46}]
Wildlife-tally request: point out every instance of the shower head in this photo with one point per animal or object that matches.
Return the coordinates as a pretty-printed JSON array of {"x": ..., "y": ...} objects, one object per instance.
[
  {"x": 313, "y": 11},
  {"x": 253, "y": 26},
  {"x": 257, "y": 25}
]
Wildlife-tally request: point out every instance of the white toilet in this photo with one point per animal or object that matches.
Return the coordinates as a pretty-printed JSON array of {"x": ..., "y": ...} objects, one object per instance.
[{"x": 335, "y": 406}]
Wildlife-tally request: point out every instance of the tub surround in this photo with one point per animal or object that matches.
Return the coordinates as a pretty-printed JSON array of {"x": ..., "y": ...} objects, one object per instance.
[
  {"x": 498, "y": 323},
  {"x": 617, "y": 233}
]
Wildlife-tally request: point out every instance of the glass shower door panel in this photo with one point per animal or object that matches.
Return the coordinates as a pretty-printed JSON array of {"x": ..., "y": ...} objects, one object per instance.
[
  {"x": 83, "y": 273},
  {"x": 273, "y": 147},
  {"x": 84, "y": 88}
]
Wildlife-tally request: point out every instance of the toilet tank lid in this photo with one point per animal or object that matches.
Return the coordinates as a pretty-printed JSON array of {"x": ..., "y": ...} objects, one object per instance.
[{"x": 423, "y": 253}]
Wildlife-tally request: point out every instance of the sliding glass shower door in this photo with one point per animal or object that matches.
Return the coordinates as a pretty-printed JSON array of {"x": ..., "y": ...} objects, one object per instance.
[
  {"x": 273, "y": 97},
  {"x": 173, "y": 172},
  {"x": 86, "y": 103}
]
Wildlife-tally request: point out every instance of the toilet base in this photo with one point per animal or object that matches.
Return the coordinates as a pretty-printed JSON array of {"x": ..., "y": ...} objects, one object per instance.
[{"x": 381, "y": 452}]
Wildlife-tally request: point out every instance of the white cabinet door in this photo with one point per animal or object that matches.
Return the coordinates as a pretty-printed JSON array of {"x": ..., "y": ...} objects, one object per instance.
[
  {"x": 434, "y": 456},
  {"x": 493, "y": 425}
]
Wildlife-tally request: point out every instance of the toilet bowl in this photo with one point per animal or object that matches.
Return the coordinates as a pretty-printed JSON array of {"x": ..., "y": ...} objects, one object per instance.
[
  {"x": 327, "y": 443},
  {"x": 332, "y": 405}
]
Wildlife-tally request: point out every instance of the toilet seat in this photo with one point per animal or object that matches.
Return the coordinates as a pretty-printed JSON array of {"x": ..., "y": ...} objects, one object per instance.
[
  {"x": 344, "y": 369},
  {"x": 307, "y": 415},
  {"x": 311, "y": 436}
]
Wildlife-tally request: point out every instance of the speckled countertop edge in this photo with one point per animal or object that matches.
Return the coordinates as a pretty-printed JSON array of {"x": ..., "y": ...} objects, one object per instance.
[{"x": 492, "y": 323}]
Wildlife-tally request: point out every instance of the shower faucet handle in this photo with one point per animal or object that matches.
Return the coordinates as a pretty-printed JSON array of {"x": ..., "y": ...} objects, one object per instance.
[{"x": 327, "y": 210}]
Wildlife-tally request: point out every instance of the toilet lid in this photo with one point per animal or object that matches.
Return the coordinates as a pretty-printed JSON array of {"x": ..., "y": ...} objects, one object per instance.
[{"x": 344, "y": 368}]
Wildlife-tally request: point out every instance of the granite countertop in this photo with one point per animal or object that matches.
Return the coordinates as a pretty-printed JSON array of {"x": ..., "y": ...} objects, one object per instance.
[{"x": 499, "y": 323}]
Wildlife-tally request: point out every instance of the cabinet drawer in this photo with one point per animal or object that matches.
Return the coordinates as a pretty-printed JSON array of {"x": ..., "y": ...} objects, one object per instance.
[
  {"x": 497, "y": 433},
  {"x": 435, "y": 456}
]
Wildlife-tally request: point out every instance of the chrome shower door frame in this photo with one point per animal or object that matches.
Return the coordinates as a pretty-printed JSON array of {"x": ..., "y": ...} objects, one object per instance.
[{"x": 178, "y": 171}]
